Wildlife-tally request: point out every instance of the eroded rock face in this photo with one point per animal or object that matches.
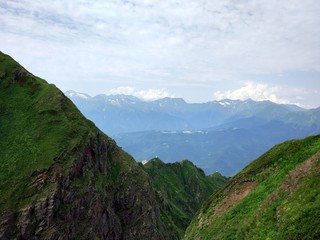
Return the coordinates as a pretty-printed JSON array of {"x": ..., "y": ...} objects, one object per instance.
[{"x": 122, "y": 207}]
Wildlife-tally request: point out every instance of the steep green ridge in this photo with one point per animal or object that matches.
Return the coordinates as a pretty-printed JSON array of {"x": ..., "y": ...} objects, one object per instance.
[
  {"x": 60, "y": 177},
  {"x": 181, "y": 188},
  {"x": 37, "y": 125},
  {"x": 275, "y": 197}
]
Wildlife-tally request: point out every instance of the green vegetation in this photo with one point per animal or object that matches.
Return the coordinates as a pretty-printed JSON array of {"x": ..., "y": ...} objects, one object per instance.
[
  {"x": 48, "y": 147},
  {"x": 181, "y": 188},
  {"x": 275, "y": 197},
  {"x": 60, "y": 175},
  {"x": 38, "y": 126}
]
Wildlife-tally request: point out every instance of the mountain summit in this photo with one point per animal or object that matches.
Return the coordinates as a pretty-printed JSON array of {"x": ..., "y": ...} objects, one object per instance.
[
  {"x": 116, "y": 114},
  {"x": 181, "y": 188},
  {"x": 221, "y": 136},
  {"x": 61, "y": 177}
]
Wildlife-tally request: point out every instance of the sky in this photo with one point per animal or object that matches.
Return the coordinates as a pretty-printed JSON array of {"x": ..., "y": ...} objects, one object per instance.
[{"x": 200, "y": 50}]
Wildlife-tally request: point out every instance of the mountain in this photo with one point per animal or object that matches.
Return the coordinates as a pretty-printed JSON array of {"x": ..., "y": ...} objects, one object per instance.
[
  {"x": 219, "y": 136},
  {"x": 62, "y": 178},
  {"x": 181, "y": 187},
  {"x": 123, "y": 114},
  {"x": 277, "y": 196},
  {"x": 226, "y": 148}
]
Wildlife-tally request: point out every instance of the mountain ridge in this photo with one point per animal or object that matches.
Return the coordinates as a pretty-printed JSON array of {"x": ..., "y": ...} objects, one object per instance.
[
  {"x": 276, "y": 196},
  {"x": 226, "y": 149},
  {"x": 223, "y": 102},
  {"x": 219, "y": 136},
  {"x": 181, "y": 187},
  {"x": 61, "y": 177}
]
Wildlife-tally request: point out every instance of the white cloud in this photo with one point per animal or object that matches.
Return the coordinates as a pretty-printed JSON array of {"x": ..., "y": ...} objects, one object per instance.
[
  {"x": 257, "y": 92},
  {"x": 247, "y": 35},
  {"x": 147, "y": 95},
  {"x": 154, "y": 43}
]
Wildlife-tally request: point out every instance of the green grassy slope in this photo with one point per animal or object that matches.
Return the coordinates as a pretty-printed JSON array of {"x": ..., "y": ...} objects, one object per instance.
[
  {"x": 37, "y": 125},
  {"x": 275, "y": 197},
  {"x": 59, "y": 174},
  {"x": 181, "y": 188}
]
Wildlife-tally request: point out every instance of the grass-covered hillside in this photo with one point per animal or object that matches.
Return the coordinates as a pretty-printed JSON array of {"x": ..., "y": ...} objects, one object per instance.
[
  {"x": 38, "y": 127},
  {"x": 277, "y": 196},
  {"x": 181, "y": 188},
  {"x": 60, "y": 176}
]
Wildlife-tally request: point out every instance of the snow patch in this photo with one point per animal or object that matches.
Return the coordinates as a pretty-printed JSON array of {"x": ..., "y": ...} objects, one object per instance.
[
  {"x": 194, "y": 132},
  {"x": 224, "y": 103},
  {"x": 81, "y": 95},
  {"x": 168, "y": 132},
  {"x": 113, "y": 101},
  {"x": 73, "y": 94},
  {"x": 187, "y": 132}
]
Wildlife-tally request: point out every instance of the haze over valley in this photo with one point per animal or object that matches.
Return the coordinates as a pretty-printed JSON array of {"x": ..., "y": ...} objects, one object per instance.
[{"x": 221, "y": 136}]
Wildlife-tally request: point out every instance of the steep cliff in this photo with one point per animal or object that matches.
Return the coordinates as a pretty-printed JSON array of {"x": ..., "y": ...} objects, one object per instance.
[
  {"x": 277, "y": 196},
  {"x": 181, "y": 187},
  {"x": 62, "y": 178}
]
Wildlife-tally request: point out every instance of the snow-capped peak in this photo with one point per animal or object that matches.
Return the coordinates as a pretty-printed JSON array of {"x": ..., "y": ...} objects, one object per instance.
[
  {"x": 74, "y": 94},
  {"x": 224, "y": 103}
]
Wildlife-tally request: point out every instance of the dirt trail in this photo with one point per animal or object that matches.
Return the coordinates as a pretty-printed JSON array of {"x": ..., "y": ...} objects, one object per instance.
[{"x": 233, "y": 197}]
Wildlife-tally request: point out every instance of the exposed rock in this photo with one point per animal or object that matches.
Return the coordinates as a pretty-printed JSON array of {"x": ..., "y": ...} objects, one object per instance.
[
  {"x": 61, "y": 178},
  {"x": 128, "y": 212},
  {"x": 26, "y": 223},
  {"x": 7, "y": 225}
]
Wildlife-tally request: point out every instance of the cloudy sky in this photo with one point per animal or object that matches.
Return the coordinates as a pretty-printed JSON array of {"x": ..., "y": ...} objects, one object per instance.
[{"x": 199, "y": 50}]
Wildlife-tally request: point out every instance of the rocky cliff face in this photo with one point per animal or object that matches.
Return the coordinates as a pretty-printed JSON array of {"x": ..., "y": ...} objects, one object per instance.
[
  {"x": 61, "y": 178},
  {"x": 127, "y": 210}
]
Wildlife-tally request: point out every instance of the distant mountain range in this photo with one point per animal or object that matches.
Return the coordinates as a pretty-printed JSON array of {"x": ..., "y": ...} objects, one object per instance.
[
  {"x": 123, "y": 113},
  {"x": 219, "y": 136},
  {"x": 63, "y": 178}
]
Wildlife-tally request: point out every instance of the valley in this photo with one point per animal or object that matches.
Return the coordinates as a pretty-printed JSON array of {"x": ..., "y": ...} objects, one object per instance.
[
  {"x": 159, "y": 120},
  {"x": 63, "y": 178},
  {"x": 221, "y": 136}
]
